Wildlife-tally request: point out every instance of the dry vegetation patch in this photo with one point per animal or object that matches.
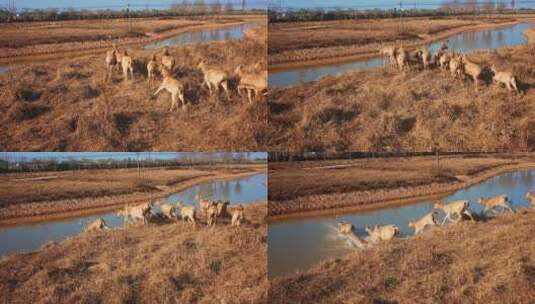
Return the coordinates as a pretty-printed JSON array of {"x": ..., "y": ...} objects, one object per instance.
[
  {"x": 68, "y": 105},
  {"x": 167, "y": 263},
  {"x": 385, "y": 110},
  {"x": 488, "y": 262}
]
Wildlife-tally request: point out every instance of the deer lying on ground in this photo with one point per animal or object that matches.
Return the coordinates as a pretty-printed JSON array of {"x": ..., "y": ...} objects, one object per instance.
[
  {"x": 152, "y": 66},
  {"x": 127, "y": 65},
  {"x": 506, "y": 78},
  {"x": 98, "y": 225},
  {"x": 213, "y": 78},
  {"x": 237, "y": 216},
  {"x": 382, "y": 233},
  {"x": 173, "y": 86},
  {"x": 427, "y": 220},
  {"x": 187, "y": 213},
  {"x": 458, "y": 207},
  {"x": 493, "y": 202},
  {"x": 252, "y": 83},
  {"x": 168, "y": 61},
  {"x": 472, "y": 69},
  {"x": 111, "y": 63}
]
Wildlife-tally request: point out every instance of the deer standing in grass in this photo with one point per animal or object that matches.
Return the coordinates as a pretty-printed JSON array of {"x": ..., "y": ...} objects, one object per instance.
[
  {"x": 111, "y": 63},
  {"x": 506, "y": 78},
  {"x": 152, "y": 66},
  {"x": 214, "y": 77},
  {"x": 253, "y": 83},
  {"x": 127, "y": 65},
  {"x": 427, "y": 220},
  {"x": 173, "y": 86},
  {"x": 473, "y": 70},
  {"x": 168, "y": 61}
]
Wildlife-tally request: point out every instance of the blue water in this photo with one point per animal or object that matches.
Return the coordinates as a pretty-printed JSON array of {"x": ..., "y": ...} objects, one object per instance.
[
  {"x": 300, "y": 244},
  {"x": 24, "y": 238},
  {"x": 226, "y": 33},
  {"x": 463, "y": 43}
]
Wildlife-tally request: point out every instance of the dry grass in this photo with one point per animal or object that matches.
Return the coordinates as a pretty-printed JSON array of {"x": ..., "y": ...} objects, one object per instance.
[
  {"x": 291, "y": 42},
  {"x": 32, "y": 38},
  {"x": 385, "y": 110},
  {"x": 492, "y": 262},
  {"x": 68, "y": 105},
  {"x": 168, "y": 263}
]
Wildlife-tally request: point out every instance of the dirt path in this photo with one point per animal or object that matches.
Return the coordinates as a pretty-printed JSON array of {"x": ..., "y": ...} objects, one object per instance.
[
  {"x": 372, "y": 52},
  {"x": 316, "y": 205},
  {"x": 60, "y": 209}
]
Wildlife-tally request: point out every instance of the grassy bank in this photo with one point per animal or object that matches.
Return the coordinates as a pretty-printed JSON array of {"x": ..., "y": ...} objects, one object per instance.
[
  {"x": 167, "y": 263},
  {"x": 38, "y": 196},
  {"x": 306, "y": 188},
  {"x": 24, "y": 41},
  {"x": 298, "y": 44},
  {"x": 68, "y": 105},
  {"x": 491, "y": 262},
  {"x": 385, "y": 110}
]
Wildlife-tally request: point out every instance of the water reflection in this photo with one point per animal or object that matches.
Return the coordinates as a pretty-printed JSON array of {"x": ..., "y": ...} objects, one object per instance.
[
  {"x": 32, "y": 236},
  {"x": 465, "y": 42},
  {"x": 299, "y": 244},
  {"x": 228, "y": 33}
]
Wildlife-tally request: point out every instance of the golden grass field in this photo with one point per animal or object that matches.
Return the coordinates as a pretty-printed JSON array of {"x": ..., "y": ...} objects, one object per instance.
[
  {"x": 386, "y": 110},
  {"x": 316, "y": 187},
  {"x": 68, "y": 105},
  {"x": 158, "y": 263},
  {"x": 482, "y": 262},
  {"x": 293, "y": 44}
]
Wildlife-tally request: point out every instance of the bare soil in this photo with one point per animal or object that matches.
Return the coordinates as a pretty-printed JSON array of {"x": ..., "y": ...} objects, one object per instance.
[
  {"x": 482, "y": 262},
  {"x": 158, "y": 263},
  {"x": 386, "y": 110}
]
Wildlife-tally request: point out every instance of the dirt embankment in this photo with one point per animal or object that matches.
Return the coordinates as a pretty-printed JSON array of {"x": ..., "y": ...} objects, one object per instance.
[
  {"x": 330, "y": 42},
  {"x": 379, "y": 198},
  {"x": 36, "y": 209},
  {"x": 165, "y": 263},
  {"x": 68, "y": 105},
  {"x": 387, "y": 110},
  {"x": 48, "y": 40},
  {"x": 483, "y": 262}
]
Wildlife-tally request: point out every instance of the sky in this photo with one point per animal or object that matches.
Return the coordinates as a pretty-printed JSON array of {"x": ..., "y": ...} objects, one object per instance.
[
  {"x": 103, "y": 155},
  {"x": 369, "y": 4},
  {"x": 115, "y": 4}
]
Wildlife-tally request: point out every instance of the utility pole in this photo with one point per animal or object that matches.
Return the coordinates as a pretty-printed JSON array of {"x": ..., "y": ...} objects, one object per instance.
[
  {"x": 243, "y": 5},
  {"x": 128, "y": 16},
  {"x": 400, "y": 17}
]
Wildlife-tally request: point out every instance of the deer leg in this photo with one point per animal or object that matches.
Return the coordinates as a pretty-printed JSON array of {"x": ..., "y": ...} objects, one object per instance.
[{"x": 224, "y": 84}]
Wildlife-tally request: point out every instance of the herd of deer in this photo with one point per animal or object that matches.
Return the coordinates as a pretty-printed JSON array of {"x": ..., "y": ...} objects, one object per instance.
[
  {"x": 457, "y": 209},
  {"x": 212, "y": 211},
  {"x": 254, "y": 84},
  {"x": 458, "y": 65}
]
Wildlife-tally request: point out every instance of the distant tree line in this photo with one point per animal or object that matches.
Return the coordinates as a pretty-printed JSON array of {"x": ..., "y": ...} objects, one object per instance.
[
  {"x": 176, "y": 9},
  {"x": 307, "y": 156},
  {"x": 14, "y": 163},
  {"x": 447, "y": 8}
]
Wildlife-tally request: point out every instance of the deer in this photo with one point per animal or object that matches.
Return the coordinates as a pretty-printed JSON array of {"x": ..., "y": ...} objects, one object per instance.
[
  {"x": 152, "y": 66},
  {"x": 214, "y": 77},
  {"x": 457, "y": 207},
  {"x": 173, "y": 86},
  {"x": 127, "y": 65}
]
